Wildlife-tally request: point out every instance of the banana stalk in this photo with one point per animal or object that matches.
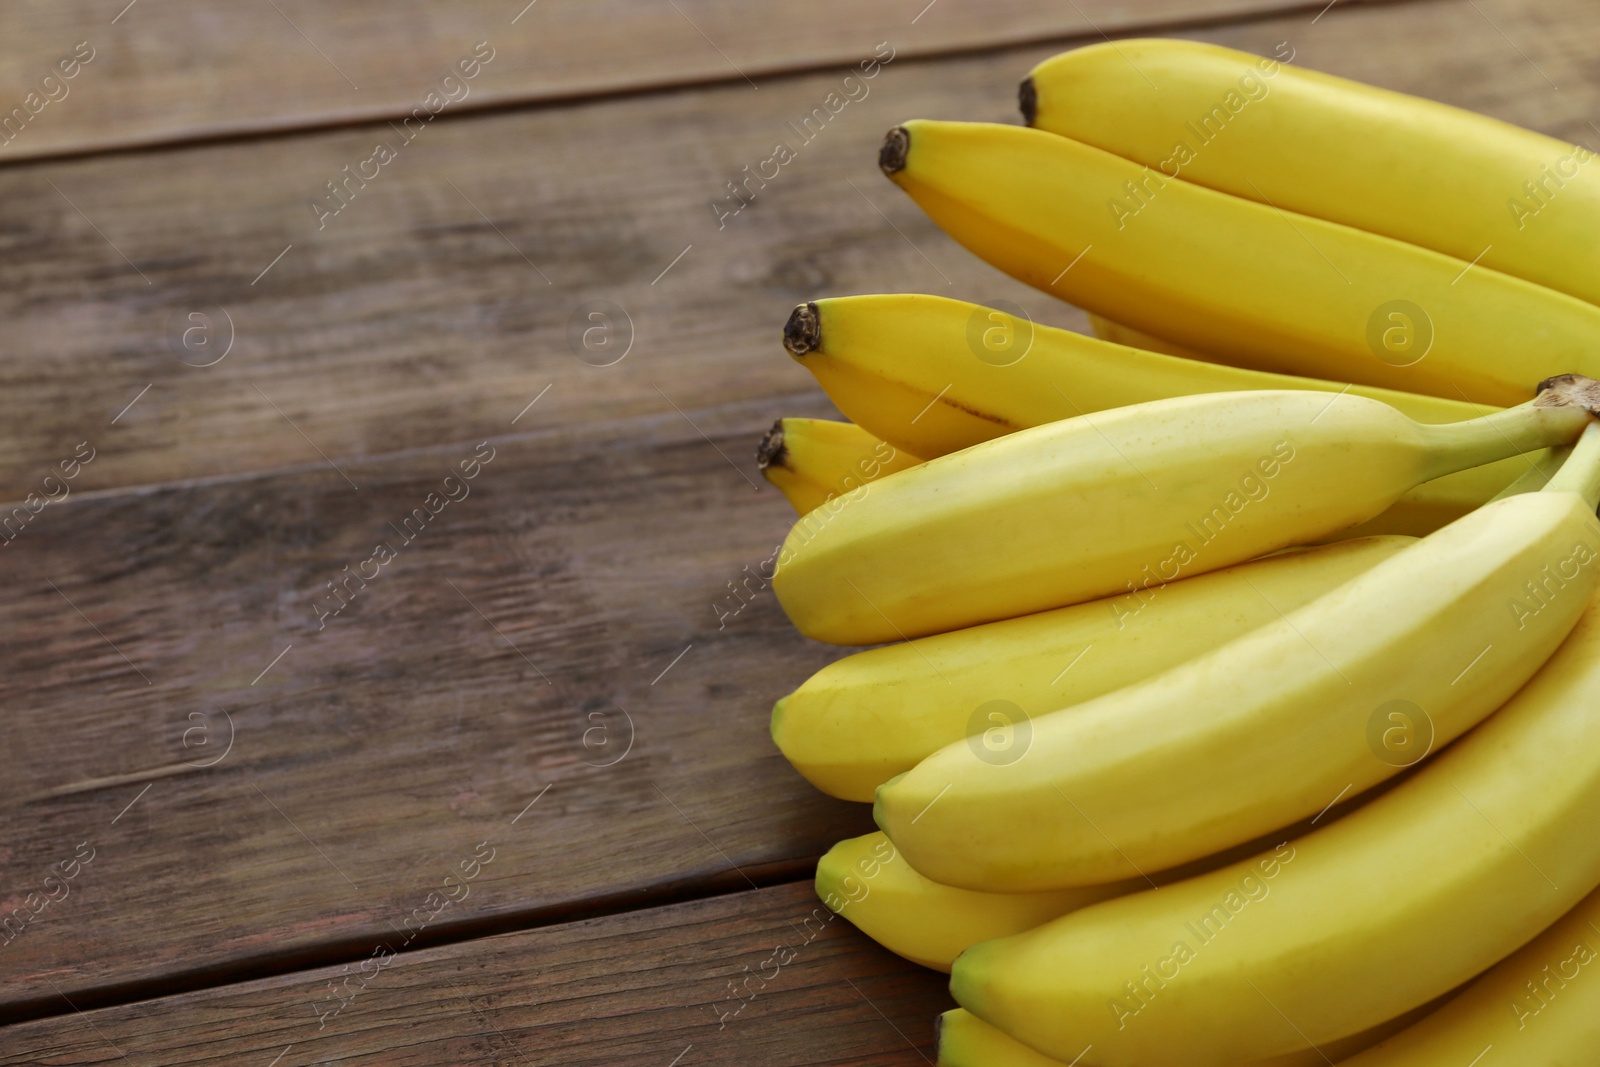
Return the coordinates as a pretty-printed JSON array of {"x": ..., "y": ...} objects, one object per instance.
[
  {"x": 815, "y": 461},
  {"x": 1269, "y": 288},
  {"x": 863, "y": 719},
  {"x": 1377, "y": 913},
  {"x": 934, "y": 375},
  {"x": 1078, "y": 509},
  {"x": 1460, "y": 183}
]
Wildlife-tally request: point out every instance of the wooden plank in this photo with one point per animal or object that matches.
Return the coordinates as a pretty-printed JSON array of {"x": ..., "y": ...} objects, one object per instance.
[
  {"x": 410, "y": 318},
  {"x": 451, "y": 289},
  {"x": 260, "y": 774},
  {"x": 648, "y": 987},
  {"x": 173, "y": 71}
]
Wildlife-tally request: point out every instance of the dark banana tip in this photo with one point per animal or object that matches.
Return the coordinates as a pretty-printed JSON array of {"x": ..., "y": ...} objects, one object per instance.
[
  {"x": 803, "y": 332},
  {"x": 770, "y": 452},
  {"x": 896, "y": 146},
  {"x": 1028, "y": 100}
]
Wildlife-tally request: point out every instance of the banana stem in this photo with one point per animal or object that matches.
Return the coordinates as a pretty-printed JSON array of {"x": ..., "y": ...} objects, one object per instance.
[
  {"x": 1581, "y": 472},
  {"x": 1557, "y": 416}
]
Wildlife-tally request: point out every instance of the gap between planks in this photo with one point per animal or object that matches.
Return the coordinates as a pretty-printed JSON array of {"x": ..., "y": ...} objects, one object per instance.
[
  {"x": 352, "y": 950},
  {"x": 284, "y": 128}
]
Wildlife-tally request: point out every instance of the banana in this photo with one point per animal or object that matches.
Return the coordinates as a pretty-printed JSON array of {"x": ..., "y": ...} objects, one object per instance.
[
  {"x": 1117, "y": 333},
  {"x": 1269, "y": 727},
  {"x": 967, "y": 1041},
  {"x": 934, "y": 375},
  {"x": 1214, "y": 272},
  {"x": 927, "y": 923},
  {"x": 1540, "y": 1006},
  {"x": 1415, "y": 893},
  {"x": 814, "y": 461},
  {"x": 1459, "y": 183},
  {"x": 1078, "y": 509},
  {"x": 863, "y": 719},
  {"x": 867, "y": 881}
]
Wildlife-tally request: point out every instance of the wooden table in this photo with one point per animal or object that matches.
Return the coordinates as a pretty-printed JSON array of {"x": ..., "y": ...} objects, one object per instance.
[{"x": 502, "y": 791}]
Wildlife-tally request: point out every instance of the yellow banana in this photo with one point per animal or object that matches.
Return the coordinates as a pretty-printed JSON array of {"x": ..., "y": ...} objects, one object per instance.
[
  {"x": 1372, "y": 915},
  {"x": 1269, "y": 288},
  {"x": 1077, "y": 509},
  {"x": 866, "y": 880},
  {"x": 863, "y": 719},
  {"x": 928, "y": 923},
  {"x": 934, "y": 375},
  {"x": 967, "y": 1041},
  {"x": 1463, "y": 184},
  {"x": 813, "y": 461},
  {"x": 1540, "y": 1006},
  {"x": 1117, "y": 333},
  {"x": 1271, "y": 726}
]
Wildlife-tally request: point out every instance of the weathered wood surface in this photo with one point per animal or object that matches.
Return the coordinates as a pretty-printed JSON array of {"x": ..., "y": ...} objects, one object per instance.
[
  {"x": 379, "y": 752},
  {"x": 572, "y": 611},
  {"x": 649, "y": 987},
  {"x": 410, "y": 319},
  {"x": 171, "y": 70}
]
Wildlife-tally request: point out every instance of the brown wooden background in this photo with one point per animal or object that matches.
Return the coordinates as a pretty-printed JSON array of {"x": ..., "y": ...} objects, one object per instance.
[{"x": 269, "y": 801}]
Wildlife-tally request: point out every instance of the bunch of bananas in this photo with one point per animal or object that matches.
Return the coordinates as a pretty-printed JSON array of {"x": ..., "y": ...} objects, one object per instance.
[{"x": 1235, "y": 697}]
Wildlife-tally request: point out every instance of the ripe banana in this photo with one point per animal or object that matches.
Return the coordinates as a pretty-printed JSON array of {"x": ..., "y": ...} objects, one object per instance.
[
  {"x": 863, "y": 719},
  {"x": 967, "y": 1041},
  {"x": 934, "y": 375},
  {"x": 1459, "y": 183},
  {"x": 1117, "y": 333},
  {"x": 868, "y": 882},
  {"x": 1485, "y": 846},
  {"x": 1271, "y": 726},
  {"x": 1540, "y": 1006},
  {"x": 1077, "y": 509},
  {"x": 814, "y": 461},
  {"x": 931, "y": 924},
  {"x": 1219, "y": 273}
]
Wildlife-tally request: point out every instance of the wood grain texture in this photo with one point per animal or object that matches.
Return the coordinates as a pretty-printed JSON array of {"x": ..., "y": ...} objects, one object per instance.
[
  {"x": 451, "y": 288},
  {"x": 259, "y": 779},
  {"x": 648, "y": 988},
  {"x": 173, "y": 70},
  {"x": 376, "y": 754}
]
